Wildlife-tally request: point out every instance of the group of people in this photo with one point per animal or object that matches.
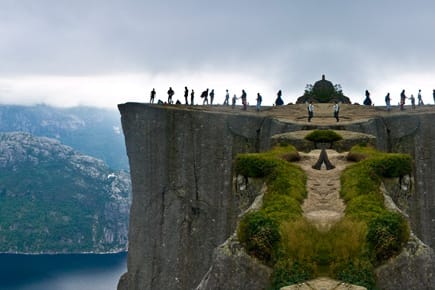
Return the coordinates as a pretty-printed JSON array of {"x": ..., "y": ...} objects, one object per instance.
[
  {"x": 205, "y": 95},
  {"x": 403, "y": 97},
  {"x": 335, "y": 111}
]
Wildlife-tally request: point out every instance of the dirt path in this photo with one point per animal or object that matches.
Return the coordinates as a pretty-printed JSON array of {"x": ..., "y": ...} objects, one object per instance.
[{"x": 323, "y": 206}]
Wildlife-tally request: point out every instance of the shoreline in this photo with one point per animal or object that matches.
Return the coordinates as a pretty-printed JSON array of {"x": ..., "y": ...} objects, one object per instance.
[{"x": 63, "y": 253}]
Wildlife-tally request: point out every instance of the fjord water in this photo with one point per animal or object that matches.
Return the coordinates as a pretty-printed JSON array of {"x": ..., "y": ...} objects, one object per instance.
[{"x": 61, "y": 272}]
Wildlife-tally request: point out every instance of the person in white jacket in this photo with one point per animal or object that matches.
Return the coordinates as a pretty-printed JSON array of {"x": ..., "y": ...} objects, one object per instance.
[{"x": 336, "y": 109}]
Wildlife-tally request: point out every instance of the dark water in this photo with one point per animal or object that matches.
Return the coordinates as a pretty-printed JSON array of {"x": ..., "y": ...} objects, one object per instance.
[{"x": 61, "y": 272}]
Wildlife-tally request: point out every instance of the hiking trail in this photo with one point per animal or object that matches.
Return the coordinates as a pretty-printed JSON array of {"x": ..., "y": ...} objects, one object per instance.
[{"x": 323, "y": 206}]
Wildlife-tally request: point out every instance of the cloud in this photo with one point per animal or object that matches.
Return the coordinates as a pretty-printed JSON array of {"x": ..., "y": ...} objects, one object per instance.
[{"x": 284, "y": 44}]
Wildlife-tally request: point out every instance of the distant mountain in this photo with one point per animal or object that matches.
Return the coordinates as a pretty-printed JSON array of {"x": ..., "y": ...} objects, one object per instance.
[
  {"x": 54, "y": 199},
  {"x": 92, "y": 131}
]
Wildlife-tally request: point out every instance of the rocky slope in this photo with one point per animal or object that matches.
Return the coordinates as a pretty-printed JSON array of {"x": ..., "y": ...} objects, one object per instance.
[
  {"x": 54, "y": 199},
  {"x": 92, "y": 131},
  {"x": 184, "y": 201}
]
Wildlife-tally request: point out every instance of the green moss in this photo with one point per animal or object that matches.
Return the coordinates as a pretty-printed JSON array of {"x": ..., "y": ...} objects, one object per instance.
[{"x": 323, "y": 136}]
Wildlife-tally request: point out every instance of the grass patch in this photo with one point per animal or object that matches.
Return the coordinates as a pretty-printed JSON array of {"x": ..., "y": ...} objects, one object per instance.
[
  {"x": 282, "y": 201},
  {"x": 387, "y": 232}
]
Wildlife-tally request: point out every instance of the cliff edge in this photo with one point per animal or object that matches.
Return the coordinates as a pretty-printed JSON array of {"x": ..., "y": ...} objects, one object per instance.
[{"x": 185, "y": 203}]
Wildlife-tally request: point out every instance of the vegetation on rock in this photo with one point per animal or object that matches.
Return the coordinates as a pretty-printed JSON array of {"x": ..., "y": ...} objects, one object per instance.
[
  {"x": 282, "y": 201},
  {"x": 368, "y": 234},
  {"x": 323, "y": 136},
  {"x": 323, "y": 91}
]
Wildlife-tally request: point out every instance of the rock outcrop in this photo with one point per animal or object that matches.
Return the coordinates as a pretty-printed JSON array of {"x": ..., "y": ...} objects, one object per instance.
[
  {"x": 413, "y": 268},
  {"x": 323, "y": 91},
  {"x": 184, "y": 203}
]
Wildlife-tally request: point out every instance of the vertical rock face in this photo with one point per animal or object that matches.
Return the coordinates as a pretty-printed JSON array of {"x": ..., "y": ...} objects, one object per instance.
[
  {"x": 183, "y": 203},
  {"x": 414, "y": 135}
]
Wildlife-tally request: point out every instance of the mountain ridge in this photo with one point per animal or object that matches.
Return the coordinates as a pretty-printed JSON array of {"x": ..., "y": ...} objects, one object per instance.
[
  {"x": 92, "y": 131},
  {"x": 54, "y": 199}
]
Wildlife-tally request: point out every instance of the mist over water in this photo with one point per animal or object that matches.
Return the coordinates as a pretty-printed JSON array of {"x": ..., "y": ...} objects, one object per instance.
[{"x": 61, "y": 272}]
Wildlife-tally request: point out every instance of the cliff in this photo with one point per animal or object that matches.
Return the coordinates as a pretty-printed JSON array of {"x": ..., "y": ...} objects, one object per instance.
[
  {"x": 56, "y": 200},
  {"x": 185, "y": 203}
]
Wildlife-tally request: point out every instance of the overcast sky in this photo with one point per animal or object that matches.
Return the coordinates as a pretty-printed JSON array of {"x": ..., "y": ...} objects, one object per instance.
[{"x": 105, "y": 52}]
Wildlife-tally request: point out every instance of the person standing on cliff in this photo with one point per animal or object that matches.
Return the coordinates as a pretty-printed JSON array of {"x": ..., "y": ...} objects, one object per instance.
[
  {"x": 244, "y": 102},
  {"x": 227, "y": 98},
  {"x": 186, "y": 95},
  {"x": 433, "y": 93},
  {"x": 402, "y": 100},
  {"x": 310, "y": 109},
  {"x": 204, "y": 96},
  {"x": 170, "y": 95},
  {"x": 336, "y": 109},
  {"x": 412, "y": 101},
  {"x": 211, "y": 96},
  {"x": 259, "y": 100},
  {"x": 152, "y": 96},
  {"x": 192, "y": 96},
  {"x": 234, "y": 101},
  {"x": 420, "y": 99},
  {"x": 388, "y": 101},
  {"x": 279, "y": 101},
  {"x": 367, "y": 101}
]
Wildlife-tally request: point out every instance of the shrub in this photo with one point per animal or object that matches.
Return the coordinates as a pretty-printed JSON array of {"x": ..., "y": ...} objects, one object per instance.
[
  {"x": 365, "y": 207},
  {"x": 359, "y": 179},
  {"x": 288, "y": 271},
  {"x": 254, "y": 165},
  {"x": 259, "y": 234},
  {"x": 287, "y": 179},
  {"x": 323, "y": 136},
  {"x": 281, "y": 207},
  {"x": 392, "y": 165},
  {"x": 384, "y": 164},
  {"x": 386, "y": 235},
  {"x": 358, "y": 271}
]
